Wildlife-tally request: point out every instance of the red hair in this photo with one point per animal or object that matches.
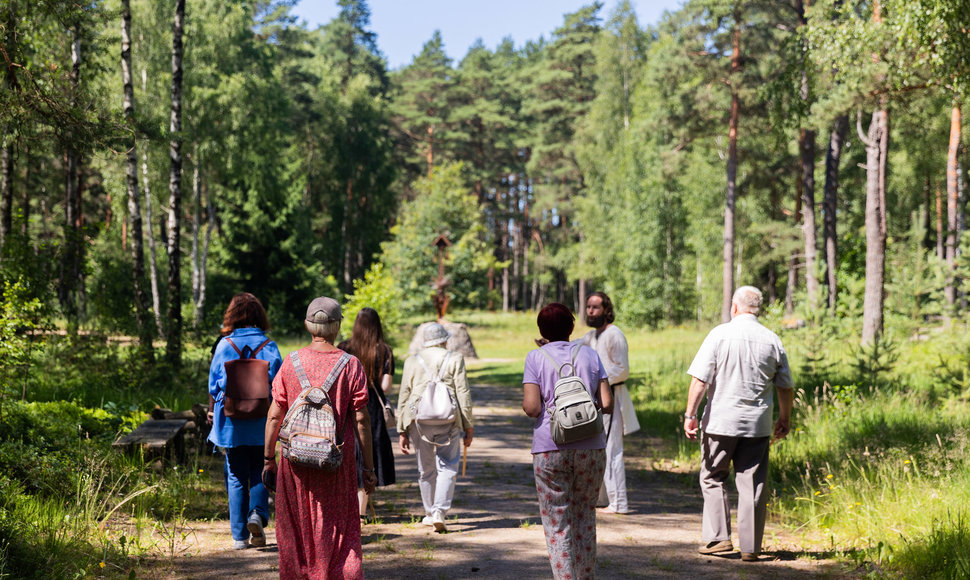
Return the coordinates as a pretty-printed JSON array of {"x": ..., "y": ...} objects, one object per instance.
[
  {"x": 244, "y": 310},
  {"x": 555, "y": 322}
]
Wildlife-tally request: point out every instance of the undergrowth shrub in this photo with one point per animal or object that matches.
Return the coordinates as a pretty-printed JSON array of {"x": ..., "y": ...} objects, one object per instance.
[{"x": 942, "y": 553}]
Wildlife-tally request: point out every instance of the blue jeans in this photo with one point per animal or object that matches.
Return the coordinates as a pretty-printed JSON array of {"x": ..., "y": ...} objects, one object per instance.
[{"x": 244, "y": 482}]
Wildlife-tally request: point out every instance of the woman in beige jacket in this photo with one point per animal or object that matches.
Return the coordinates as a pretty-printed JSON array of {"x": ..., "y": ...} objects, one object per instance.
[{"x": 435, "y": 441}]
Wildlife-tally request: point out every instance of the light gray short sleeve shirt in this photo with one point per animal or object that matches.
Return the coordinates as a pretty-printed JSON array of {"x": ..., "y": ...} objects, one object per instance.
[{"x": 742, "y": 362}]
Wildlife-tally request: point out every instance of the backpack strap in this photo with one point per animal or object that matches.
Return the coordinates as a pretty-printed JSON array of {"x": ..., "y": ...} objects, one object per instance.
[
  {"x": 424, "y": 365},
  {"x": 441, "y": 370},
  {"x": 252, "y": 353},
  {"x": 331, "y": 378},
  {"x": 571, "y": 363},
  {"x": 233, "y": 345},
  {"x": 326, "y": 386},
  {"x": 259, "y": 348}
]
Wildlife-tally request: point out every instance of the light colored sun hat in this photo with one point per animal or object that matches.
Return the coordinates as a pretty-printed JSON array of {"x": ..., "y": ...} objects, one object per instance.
[{"x": 435, "y": 334}]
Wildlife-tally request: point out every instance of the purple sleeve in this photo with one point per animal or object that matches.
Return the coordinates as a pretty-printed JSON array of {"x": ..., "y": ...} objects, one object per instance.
[{"x": 531, "y": 373}]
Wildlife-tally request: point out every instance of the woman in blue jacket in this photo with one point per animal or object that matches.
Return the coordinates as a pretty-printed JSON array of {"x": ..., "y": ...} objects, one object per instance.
[{"x": 245, "y": 323}]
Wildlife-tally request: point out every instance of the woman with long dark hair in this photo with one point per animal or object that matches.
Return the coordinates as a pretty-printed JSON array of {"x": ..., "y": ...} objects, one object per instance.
[
  {"x": 244, "y": 326},
  {"x": 367, "y": 344}
]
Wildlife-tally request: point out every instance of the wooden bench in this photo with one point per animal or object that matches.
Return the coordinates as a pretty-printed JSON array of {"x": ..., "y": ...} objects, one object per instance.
[{"x": 154, "y": 437}]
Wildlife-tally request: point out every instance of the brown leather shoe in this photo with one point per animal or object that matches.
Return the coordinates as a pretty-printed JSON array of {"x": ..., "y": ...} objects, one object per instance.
[
  {"x": 716, "y": 547},
  {"x": 749, "y": 557}
]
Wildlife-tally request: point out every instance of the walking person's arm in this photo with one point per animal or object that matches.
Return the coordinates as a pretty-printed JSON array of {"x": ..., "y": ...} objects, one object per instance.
[
  {"x": 694, "y": 395},
  {"x": 402, "y": 400},
  {"x": 606, "y": 397},
  {"x": 786, "y": 401},
  {"x": 273, "y": 421},
  {"x": 366, "y": 449},
  {"x": 531, "y": 400},
  {"x": 464, "y": 396}
]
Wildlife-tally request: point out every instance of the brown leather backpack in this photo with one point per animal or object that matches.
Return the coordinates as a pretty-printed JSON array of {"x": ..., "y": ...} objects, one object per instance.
[{"x": 247, "y": 384}]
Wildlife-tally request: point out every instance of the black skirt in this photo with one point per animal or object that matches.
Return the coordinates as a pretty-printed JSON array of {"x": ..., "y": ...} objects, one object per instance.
[{"x": 383, "y": 452}]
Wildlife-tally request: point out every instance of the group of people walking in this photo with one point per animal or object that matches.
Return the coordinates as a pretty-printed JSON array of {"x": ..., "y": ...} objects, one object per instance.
[{"x": 739, "y": 367}]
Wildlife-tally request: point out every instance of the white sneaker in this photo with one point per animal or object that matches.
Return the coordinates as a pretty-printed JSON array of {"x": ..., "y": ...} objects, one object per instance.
[
  {"x": 427, "y": 521},
  {"x": 439, "y": 521},
  {"x": 240, "y": 544},
  {"x": 255, "y": 525}
]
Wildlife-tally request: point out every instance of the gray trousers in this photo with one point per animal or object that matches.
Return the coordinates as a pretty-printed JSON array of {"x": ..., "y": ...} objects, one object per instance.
[
  {"x": 437, "y": 464},
  {"x": 750, "y": 458}
]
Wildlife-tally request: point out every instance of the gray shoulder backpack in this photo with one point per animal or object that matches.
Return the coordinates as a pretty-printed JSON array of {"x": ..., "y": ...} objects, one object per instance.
[
  {"x": 573, "y": 416},
  {"x": 309, "y": 434}
]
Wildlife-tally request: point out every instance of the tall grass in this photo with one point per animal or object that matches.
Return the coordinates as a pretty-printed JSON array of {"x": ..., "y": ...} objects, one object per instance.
[{"x": 875, "y": 466}]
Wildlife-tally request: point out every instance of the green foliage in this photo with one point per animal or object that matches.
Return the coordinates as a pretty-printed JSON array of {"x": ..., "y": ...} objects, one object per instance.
[
  {"x": 378, "y": 291},
  {"x": 20, "y": 315},
  {"x": 917, "y": 278},
  {"x": 942, "y": 553},
  {"x": 953, "y": 371},
  {"x": 874, "y": 361},
  {"x": 442, "y": 206}
]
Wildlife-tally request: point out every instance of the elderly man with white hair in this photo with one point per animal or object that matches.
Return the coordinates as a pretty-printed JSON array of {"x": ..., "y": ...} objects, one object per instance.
[
  {"x": 740, "y": 365},
  {"x": 434, "y": 417}
]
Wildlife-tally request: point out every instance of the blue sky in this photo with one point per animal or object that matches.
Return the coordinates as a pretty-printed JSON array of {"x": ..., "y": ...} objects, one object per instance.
[{"x": 403, "y": 26}]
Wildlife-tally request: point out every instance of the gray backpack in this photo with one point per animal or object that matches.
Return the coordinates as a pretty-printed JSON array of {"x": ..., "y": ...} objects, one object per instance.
[{"x": 573, "y": 415}]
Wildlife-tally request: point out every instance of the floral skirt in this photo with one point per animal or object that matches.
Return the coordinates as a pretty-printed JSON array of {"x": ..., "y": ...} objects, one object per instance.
[{"x": 568, "y": 483}]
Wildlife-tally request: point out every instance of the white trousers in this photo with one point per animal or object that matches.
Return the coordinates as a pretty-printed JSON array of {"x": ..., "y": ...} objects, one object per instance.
[
  {"x": 614, "y": 479},
  {"x": 437, "y": 464}
]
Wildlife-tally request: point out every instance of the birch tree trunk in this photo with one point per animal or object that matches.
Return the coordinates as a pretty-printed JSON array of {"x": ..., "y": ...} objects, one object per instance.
[
  {"x": 872, "y": 308},
  {"x": 196, "y": 229},
  {"x": 152, "y": 256},
  {"x": 6, "y": 193},
  {"x": 6, "y": 141},
  {"x": 174, "y": 337},
  {"x": 131, "y": 178},
  {"x": 830, "y": 207},
  {"x": 732, "y": 174},
  {"x": 952, "y": 194},
  {"x": 203, "y": 260}
]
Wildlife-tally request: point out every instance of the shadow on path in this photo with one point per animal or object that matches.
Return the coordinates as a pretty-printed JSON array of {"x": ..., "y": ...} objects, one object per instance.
[{"x": 494, "y": 530}]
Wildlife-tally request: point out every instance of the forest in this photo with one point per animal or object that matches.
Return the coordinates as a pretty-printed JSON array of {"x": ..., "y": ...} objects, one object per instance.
[
  {"x": 814, "y": 150},
  {"x": 158, "y": 157}
]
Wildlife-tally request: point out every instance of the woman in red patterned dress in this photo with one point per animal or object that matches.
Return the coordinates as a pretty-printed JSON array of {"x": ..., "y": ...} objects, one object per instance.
[{"x": 317, "y": 525}]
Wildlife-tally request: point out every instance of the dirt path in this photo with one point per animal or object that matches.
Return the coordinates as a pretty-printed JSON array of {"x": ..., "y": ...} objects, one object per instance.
[{"x": 494, "y": 527}]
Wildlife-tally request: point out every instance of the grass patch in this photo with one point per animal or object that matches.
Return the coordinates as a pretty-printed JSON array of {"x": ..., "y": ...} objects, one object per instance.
[{"x": 874, "y": 469}]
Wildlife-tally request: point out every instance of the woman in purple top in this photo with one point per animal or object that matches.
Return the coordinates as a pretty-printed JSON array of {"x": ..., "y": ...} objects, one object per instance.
[{"x": 568, "y": 477}]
